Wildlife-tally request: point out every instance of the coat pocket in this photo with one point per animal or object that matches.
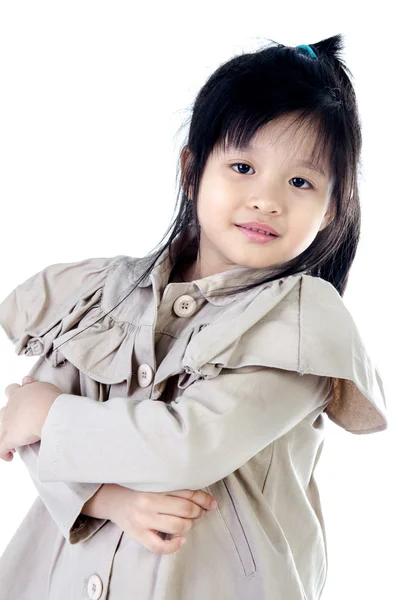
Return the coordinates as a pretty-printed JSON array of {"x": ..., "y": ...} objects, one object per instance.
[{"x": 232, "y": 519}]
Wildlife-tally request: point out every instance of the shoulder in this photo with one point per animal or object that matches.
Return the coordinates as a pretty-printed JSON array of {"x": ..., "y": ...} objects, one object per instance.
[
  {"x": 63, "y": 278},
  {"x": 119, "y": 282},
  {"x": 280, "y": 312},
  {"x": 37, "y": 304},
  {"x": 299, "y": 323}
]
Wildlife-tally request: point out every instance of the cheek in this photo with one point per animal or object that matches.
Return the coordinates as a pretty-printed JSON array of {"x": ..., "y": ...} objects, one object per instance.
[
  {"x": 307, "y": 218},
  {"x": 214, "y": 208},
  {"x": 210, "y": 216},
  {"x": 304, "y": 227}
]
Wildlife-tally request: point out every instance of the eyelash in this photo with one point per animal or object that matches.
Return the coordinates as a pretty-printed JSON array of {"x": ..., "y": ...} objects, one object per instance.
[{"x": 311, "y": 186}]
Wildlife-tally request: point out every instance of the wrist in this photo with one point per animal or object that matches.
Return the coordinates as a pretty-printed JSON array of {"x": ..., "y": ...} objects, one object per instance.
[{"x": 98, "y": 505}]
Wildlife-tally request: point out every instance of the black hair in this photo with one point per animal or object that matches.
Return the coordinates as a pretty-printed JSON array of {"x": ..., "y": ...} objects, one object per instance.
[
  {"x": 240, "y": 97},
  {"x": 251, "y": 90}
]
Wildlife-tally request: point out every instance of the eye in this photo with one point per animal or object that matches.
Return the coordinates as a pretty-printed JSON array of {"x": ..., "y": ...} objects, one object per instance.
[
  {"x": 301, "y": 179},
  {"x": 294, "y": 178},
  {"x": 239, "y": 164}
]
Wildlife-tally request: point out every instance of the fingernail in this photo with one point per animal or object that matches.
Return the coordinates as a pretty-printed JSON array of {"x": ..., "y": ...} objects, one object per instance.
[
  {"x": 214, "y": 504},
  {"x": 183, "y": 540}
]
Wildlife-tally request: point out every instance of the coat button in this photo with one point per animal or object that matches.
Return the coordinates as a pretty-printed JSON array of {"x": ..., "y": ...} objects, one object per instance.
[
  {"x": 94, "y": 587},
  {"x": 184, "y": 306},
  {"x": 145, "y": 375}
]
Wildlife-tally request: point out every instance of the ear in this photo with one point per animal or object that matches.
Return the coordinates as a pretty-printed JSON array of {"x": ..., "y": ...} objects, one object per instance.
[{"x": 185, "y": 158}]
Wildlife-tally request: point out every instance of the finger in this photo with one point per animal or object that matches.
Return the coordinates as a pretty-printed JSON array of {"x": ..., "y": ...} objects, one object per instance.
[
  {"x": 11, "y": 388},
  {"x": 160, "y": 546},
  {"x": 199, "y": 497},
  {"x": 8, "y": 457},
  {"x": 167, "y": 524},
  {"x": 171, "y": 503},
  {"x": 28, "y": 379},
  {"x": 180, "y": 507},
  {"x": 5, "y": 453},
  {"x": 203, "y": 499}
]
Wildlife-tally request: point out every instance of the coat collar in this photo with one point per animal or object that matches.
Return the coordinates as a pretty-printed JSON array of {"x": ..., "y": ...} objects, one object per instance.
[{"x": 207, "y": 286}]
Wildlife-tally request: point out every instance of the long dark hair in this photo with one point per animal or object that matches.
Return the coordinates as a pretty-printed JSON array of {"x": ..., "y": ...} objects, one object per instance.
[
  {"x": 251, "y": 90},
  {"x": 240, "y": 97}
]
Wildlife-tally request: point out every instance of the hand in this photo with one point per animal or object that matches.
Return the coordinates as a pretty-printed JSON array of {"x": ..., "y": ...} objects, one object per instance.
[
  {"x": 23, "y": 417},
  {"x": 142, "y": 515}
]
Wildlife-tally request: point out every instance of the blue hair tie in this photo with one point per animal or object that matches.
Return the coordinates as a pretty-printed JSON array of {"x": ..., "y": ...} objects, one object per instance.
[{"x": 308, "y": 49}]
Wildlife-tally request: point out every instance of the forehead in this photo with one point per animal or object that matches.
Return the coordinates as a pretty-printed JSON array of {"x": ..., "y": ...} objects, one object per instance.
[
  {"x": 294, "y": 142},
  {"x": 283, "y": 131}
]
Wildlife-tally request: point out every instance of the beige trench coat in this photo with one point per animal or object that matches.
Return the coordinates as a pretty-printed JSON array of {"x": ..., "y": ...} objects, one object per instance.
[{"x": 176, "y": 389}]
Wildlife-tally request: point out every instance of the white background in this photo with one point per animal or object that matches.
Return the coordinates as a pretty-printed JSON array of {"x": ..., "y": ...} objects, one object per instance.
[{"x": 93, "y": 99}]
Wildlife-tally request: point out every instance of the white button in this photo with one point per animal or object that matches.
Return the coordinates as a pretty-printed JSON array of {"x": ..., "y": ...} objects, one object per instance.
[
  {"x": 184, "y": 306},
  {"x": 94, "y": 587},
  {"x": 145, "y": 375}
]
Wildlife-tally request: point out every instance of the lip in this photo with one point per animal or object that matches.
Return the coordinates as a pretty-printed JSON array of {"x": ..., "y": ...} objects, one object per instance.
[{"x": 257, "y": 225}]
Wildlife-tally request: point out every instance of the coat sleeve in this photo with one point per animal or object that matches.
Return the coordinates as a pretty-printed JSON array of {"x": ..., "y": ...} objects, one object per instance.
[
  {"x": 64, "y": 501},
  {"x": 32, "y": 316},
  {"x": 193, "y": 441}
]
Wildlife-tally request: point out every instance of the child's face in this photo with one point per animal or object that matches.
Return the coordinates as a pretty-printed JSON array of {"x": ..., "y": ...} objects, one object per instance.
[{"x": 260, "y": 187}]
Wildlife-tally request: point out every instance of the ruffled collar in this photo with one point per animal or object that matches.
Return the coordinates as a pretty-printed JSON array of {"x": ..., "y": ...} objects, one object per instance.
[{"x": 208, "y": 286}]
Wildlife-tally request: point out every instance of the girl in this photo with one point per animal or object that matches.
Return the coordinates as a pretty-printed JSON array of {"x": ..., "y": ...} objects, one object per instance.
[{"x": 205, "y": 369}]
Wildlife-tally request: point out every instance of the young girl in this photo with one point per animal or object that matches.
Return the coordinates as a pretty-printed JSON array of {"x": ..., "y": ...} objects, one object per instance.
[{"x": 202, "y": 371}]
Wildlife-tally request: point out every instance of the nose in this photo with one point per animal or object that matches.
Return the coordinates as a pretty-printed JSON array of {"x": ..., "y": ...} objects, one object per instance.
[
  {"x": 266, "y": 194},
  {"x": 266, "y": 204}
]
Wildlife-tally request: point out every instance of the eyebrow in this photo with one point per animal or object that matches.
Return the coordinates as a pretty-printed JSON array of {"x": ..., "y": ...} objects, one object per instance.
[{"x": 311, "y": 165}]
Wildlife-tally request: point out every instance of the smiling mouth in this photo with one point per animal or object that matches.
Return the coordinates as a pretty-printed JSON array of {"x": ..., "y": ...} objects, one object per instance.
[
  {"x": 263, "y": 231},
  {"x": 256, "y": 236}
]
